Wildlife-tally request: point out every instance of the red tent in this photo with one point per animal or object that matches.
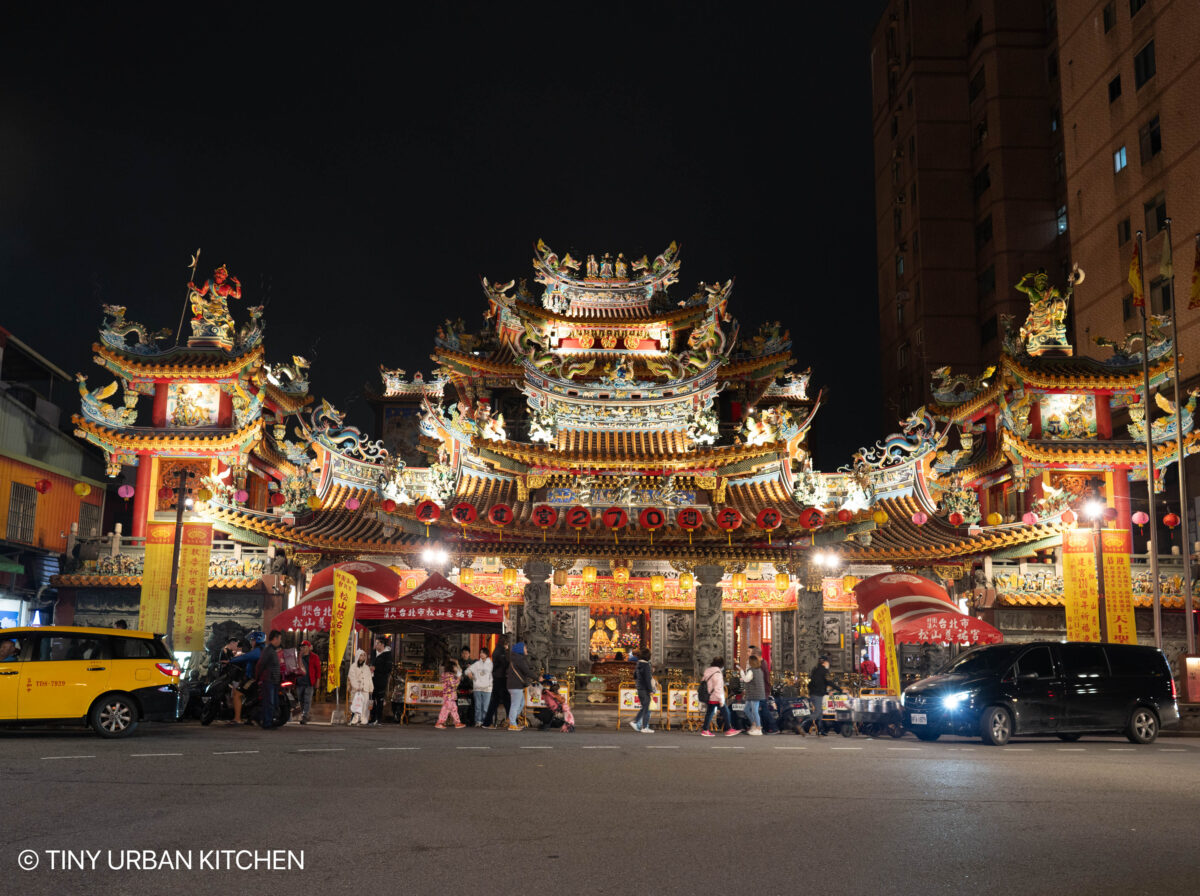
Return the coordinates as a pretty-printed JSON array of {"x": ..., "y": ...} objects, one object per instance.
[
  {"x": 908, "y": 595},
  {"x": 436, "y": 606},
  {"x": 376, "y": 585},
  {"x": 946, "y": 628}
]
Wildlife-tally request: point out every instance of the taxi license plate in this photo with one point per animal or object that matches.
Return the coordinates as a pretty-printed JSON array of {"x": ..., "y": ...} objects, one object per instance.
[{"x": 918, "y": 718}]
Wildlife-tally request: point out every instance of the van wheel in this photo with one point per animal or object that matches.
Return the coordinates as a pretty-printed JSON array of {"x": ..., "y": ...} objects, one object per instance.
[
  {"x": 996, "y": 726},
  {"x": 114, "y": 716},
  {"x": 1143, "y": 726},
  {"x": 1069, "y": 738}
]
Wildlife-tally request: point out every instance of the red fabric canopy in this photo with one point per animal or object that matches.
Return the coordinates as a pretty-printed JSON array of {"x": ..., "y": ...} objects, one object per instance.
[
  {"x": 946, "y": 628},
  {"x": 436, "y": 605},
  {"x": 310, "y": 616},
  {"x": 376, "y": 582},
  {"x": 908, "y": 595}
]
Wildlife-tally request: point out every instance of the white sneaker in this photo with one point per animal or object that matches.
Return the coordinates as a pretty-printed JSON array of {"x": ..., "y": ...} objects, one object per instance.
[
  {"x": 634, "y": 726},
  {"x": 754, "y": 731},
  {"x": 647, "y": 730}
]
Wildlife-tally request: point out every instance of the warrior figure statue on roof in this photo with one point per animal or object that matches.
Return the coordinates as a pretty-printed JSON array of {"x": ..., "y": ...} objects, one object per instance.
[
  {"x": 210, "y": 304},
  {"x": 1045, "y": 328}
]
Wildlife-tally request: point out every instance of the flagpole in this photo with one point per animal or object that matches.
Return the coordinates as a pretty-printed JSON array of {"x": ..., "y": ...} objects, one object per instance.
[
  {"x": 1153, "y": 547},
  {"x": 1184, "y": 529}
]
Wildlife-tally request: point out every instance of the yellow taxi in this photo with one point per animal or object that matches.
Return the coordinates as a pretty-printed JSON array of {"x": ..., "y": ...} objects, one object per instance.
[{"x": 108, "y": 678}]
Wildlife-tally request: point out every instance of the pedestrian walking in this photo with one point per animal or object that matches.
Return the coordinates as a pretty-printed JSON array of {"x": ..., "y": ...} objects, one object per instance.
[
  {"x": 519, "y": 677},
  {"x": 499, "y": 683},
  {"x": 818, "y": 686},
  {"x": 359, "y": 685},
  {"x": 755, "y": 694},
  {"x": 269, "y": 673},
  {"x": 714, "y": 680},
  {"x": 480, "y": 675},
  {"x": 450, "y": 679},
  {"x": 643, "y": 677},
  {"x": 310, "y": 677}
]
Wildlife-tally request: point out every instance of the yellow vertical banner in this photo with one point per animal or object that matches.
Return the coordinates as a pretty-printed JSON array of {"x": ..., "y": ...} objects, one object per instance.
[
  {"x": 1079, "y": 586},
  {"x": 341, "y": 622},
  {"x": 156, "y": 578},
  {"x": 191, "y": 604},
  {"x": 1116, "y": 545},
  {"x": 883, "y": 622}
]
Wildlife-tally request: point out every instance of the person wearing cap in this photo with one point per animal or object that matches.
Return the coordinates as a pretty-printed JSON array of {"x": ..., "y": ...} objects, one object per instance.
[
  {"x": 310, "y": 675},
  {"x": 818, "y": 686}
]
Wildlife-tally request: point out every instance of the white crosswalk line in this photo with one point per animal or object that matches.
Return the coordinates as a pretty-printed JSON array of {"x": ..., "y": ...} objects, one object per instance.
[{"x": 322, "y": 750}]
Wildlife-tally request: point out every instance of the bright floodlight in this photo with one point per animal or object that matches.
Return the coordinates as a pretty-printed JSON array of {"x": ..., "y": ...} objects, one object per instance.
[
  {"x": 188, "y": 503},
  {"x": 1093, "y": 509}
]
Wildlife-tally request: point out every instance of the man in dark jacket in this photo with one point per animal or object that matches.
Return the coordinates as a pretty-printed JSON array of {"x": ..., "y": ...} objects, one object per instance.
[
  {"x": 310, "y": 677},
  {"x": 269, "y": 673},
  {"x": 765, "y": 714},
  {"x": 381, "y": 674},
  {"x": 520, "y": 676},
  {"x": 499, "y": 683},
  {"x": 818, "y": 686},
  {"x": 643, "y": 677}
]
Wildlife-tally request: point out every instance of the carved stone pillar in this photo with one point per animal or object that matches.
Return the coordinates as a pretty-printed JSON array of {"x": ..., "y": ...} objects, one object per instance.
[
  {"x": 535, "y": 629},
  {"x": 709, "y": 637},
  {"x": 809, "y": 622}
]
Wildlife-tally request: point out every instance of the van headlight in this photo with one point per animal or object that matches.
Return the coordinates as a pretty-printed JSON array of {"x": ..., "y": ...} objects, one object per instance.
[
  {"x": 901, "y": 699},
  {"x": 955, "y": 700}
]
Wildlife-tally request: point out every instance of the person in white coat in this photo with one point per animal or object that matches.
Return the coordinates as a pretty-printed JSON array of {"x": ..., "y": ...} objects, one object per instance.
[
  {"x": 360, "y": 683},
  {"x": 480, "y": 673}
]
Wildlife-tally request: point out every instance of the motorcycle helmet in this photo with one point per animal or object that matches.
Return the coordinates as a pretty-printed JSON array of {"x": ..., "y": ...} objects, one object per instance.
[{"x": 257, "y": 638}]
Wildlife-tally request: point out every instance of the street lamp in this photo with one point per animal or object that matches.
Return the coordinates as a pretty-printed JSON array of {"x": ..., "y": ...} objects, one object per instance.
[
  {"x": 183, "y": 501},
  {"x": 1094, "y": 510}
]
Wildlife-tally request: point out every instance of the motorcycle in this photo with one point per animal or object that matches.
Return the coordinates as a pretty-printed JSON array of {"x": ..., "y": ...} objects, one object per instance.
[{"x": 218, "y": 698}]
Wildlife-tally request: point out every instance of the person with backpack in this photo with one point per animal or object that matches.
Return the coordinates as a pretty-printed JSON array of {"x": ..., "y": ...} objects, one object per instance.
[
  {"x": 711, "y": 691},
  {"x": 644, "y": 678}
]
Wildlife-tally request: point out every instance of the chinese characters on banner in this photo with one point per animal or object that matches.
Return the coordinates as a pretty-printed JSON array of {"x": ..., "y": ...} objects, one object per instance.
[
  {"x": 191, "y": 604},
  {"x": 1079, "y": 586},
  {"x": 835, "y": 597},
  {"x": 883, "y": 622},
  {"x": 341, "y": 621},
  {"x": 1116, "y": 545},
  {"x": 156, "y": 577}
]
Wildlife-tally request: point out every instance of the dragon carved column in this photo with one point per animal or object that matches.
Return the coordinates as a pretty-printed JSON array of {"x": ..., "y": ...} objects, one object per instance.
[
  {"x": 809, "y": 633},
  {"x": 709, "y": 636},
  {"x": 536, "y": 622}
]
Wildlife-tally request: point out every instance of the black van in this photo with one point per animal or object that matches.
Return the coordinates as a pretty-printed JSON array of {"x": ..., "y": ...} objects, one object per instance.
[{"x": 1065, "y": 688}]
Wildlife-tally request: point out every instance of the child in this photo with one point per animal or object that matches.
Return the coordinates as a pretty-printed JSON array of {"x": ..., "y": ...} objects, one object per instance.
[
  {"x": 556, "y": 703},
  {"x": 450, "y": 678}
]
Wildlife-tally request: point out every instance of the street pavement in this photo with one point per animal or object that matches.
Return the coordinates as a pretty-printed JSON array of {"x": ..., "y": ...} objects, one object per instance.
[{"x": 412, "y": 810}]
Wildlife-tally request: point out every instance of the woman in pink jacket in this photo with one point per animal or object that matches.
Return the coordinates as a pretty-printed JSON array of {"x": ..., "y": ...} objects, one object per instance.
[{"x": 714, "y": 679}]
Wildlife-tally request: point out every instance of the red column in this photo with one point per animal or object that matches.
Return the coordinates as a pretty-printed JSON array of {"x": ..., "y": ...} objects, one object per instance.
[
  {"x": 143, "y": 498},
  {"x": 1120, "y": 497},
  {"x": 225, "y": 412},
  {"x": 1104, "y": 418},
  {"x": 1035, "y": 420},
  {"x": 159, "y": 414}
]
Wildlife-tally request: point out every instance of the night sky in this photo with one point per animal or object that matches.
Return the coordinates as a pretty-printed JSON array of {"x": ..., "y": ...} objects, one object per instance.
[{"x": 360, "y": 174}]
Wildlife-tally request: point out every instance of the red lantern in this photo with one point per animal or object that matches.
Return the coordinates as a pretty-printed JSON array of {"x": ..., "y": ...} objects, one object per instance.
[
  {"x": 956, "y": 519},
  {"x": 1141, "y": 518},
  {"x": 615, "y": 518},
  {"x": 388, "y": 505},
  {"x": 1171, "y": 520},
  {"x": 689, "y": 519},
  {"x": 126, "y": 491},
  {"x": 1068, "y": 516},
  {"x": 544, "y": 516},
  {"x": 242, "y": 496},
  {"x": 1109, "y": 513},
  {"x": 464, "y": 513},
  {"x": 500, "y": 515},
  {"x": 277, "y": 498},
  {"x": 428, "y": 512},
  {"x": 728, "y": 519},
  {"x": 1029, "y": 518},
  {"x": 769, "y": 519},
  {"x": 844, "y": 515},
  {"x": 652, "y": 518},
  {"x": 811, "y": 518},
  {"x": 166, "y": 493},
  {"x": 42, "y": 486},
  {"x": 579, "y": 518}
]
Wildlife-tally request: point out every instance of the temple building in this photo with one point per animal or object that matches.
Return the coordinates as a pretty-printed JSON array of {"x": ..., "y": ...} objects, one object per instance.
[{"x": 619, "y": 464}]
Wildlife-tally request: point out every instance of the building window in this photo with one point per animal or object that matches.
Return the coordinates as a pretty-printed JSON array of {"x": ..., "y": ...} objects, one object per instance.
[
  {"x": 895, "y": 125},
  {"x": 1110, "y": 16},
  {"x": 1160, "y": 296},
  {"x": 1143, "y": 65},
  {"x": 898, "y": 218},
  {"x": 1119, "y": 160},
  {"x": 1124, "y": 232},
  {"x": 981, "y": 131},
  {"x": 1127, "y": 307},
  {"x": 1114, "y": 88},
  {"x": 975, "y": 35},
  {"x": 1055, "y": 115},
  {"x": 978, "y": 82},
  {"x": 1061, "y": 218},
  {"x": 1135, "y": 7},
  {"x": 89, "y": 519},
  {"x": 899, "y": 314},
  {"x": 912, "y": 193},
  {"x": 988, "y": 331},
  {"x": 22, "y": 510},
  {"x": 983, "y": 233},
  {"x": 899, "y": 266},
  {"x": 1156, "y": 215},
  {"x": 1060, "y": 167},
  {"x": 983, "y": 180},
  {"x": 1150, "y": 139},
  {"x": 902, "y": 356},
  {"x": 987, "y": 282}
]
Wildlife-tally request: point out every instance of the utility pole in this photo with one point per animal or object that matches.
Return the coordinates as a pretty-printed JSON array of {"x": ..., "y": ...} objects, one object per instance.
[{"x": 181, "y": 489}]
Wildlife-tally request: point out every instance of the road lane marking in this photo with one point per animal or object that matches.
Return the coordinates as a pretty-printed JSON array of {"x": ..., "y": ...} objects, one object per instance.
[
  {"x": 537, "y": 748},
  {"x": 140, "y": 755},
  {"x": 232, "y": 752},
  {"x": 1018, "y": 749},
  {"x": 322, "y": 750},
  {"x": 791, "y": 748},
  {"x": 472, "y": 748},
  {"x": 662, "y": 747},
  {"x": 601, "y": 747},
  {"x": 397, "y": 748},
  {"x": 1121, "y": 749},
  {"x": 1072, "y": 749},
  {"x": 722, "y": 747},
  {"x": 1172, "y": 750},
  {"x": 845, "y": 748},
  {"x": 911, "y": 749},
  {"x": 93, "y": 756}
]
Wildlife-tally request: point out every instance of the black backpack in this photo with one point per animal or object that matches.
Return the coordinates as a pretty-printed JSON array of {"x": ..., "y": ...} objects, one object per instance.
[{"x": 702, "y": 690}]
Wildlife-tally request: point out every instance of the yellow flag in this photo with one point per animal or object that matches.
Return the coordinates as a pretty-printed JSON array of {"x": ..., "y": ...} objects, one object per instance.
[
  {"x": 1135, "y": 277},
  {"x": 341, "y": 622},
  {"x": 883, "y": 621}
]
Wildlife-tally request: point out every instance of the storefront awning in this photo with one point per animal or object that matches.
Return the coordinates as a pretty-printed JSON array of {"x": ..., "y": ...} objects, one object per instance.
[{"x": 436, "y": 606}]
